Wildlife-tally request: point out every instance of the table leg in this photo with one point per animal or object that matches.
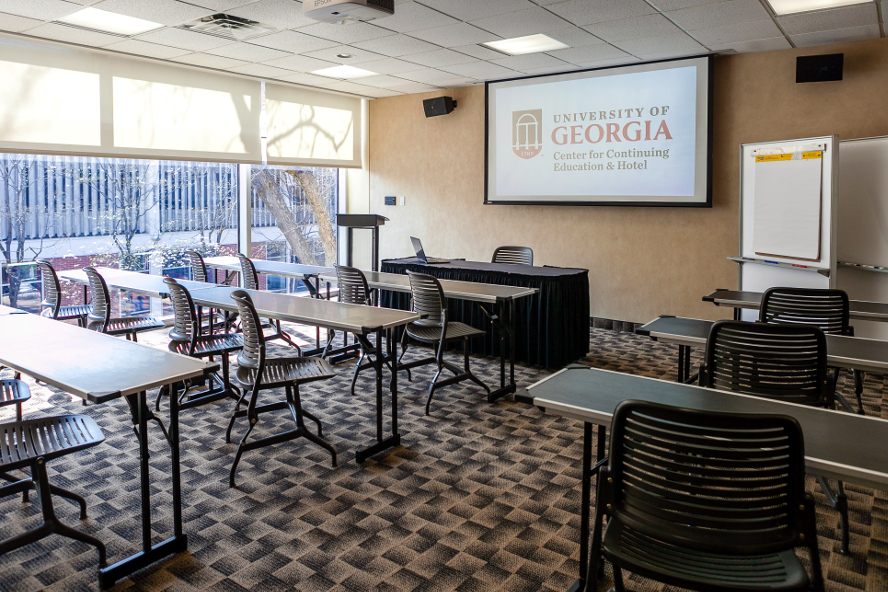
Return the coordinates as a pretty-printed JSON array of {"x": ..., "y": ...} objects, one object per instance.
[
  {"x": 144, "y": 457},
  {"x": 505, "y": 314},
  {"x": 682, "y": 352},
  {"x": 175, "y": 461},
  {"x": 738, "y": 313},
  {"x": 586, "y": 498},
  {"x": 382, "y": 444}
]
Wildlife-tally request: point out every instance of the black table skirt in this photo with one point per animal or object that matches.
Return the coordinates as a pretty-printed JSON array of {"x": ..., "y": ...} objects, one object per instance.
[{"x": 551, "y": 327}]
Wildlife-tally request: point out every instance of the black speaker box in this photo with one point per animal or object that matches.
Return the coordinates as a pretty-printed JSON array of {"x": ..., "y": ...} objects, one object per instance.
[
  {"x": 819, "y": 68},
  {"x": 438, "y": 106}
]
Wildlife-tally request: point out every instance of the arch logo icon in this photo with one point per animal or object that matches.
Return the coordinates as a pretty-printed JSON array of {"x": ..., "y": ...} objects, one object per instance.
[{"x": 527, "y": 132}]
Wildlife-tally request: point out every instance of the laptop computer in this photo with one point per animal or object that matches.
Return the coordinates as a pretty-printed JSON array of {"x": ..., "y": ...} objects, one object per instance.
[{"x": 420, "y": 254}]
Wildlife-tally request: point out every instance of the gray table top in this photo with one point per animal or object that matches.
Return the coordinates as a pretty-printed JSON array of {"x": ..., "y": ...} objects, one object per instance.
[
  {"x": 132, "y": 281},
  {"x": 868, "y": 355},
  {"x": 8, "y": 310},
  {"x": 280, "y": 268},
  {"x": 353, "y": 318},
  {"x": 859, "y": 309},
  {"x": 88, "y": 364},
  {"x": 473, "y": 291},
  {"x": 592, "y": 395}
]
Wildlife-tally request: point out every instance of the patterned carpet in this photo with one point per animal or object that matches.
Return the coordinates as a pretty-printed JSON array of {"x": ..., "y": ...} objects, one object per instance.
[{"x": 480, "y": 497}]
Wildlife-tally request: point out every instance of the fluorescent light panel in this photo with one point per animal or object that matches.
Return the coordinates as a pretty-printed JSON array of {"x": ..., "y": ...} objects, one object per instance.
[
  {"x": 782, "y": 7},
  {"x": 529, "y": 44},
  {"x": 111, "y": 22},
  {"x": 344, "y": 72}
]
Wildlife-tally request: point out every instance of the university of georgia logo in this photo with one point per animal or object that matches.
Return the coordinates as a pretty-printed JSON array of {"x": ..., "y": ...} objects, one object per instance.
[{"x": 527, "y": 132}]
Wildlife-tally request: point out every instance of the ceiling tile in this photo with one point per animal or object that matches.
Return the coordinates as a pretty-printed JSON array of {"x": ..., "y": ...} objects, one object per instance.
[
  {"x": 441, "y": 57},
  {"x": 649, "y": 25},
  {"x": 383, "y": 81},
  {"x": 300, "y": 63},
  {"x": 360, "y": 55},
  {"x": 380, "y": 93},
  {"x": 590, "y": 53},
  {"x": 426, "y": 75},
  {"x": 764, "y": 29},
  {"x": 626, "y": 59},
  {"x": 836, "y": 36},
  {"x": 466, "y": 10},
  {"x": 168, "y": 12},
  {"x": 481, "y": 70},
  {"x": 283, "y": 14},
  {"x": 531, "y": 60},
  {"x": 293, "y": 42},
  {"x": 521, "y": 23},
  {"x": 574, "y": 37},
  {"x": 839, "y": 18},
  {"x": 396, "y": 46},
  {"x": 220, "y": 5},
  {"x": 143, "y": 48},
  {"x": 455, "y": 35},
  {"x": 208, "y": 61},
  {"x": 563, "y": 68},
  {"x": 247, "y": 52},
  {"x": 413, "y": 17},
  {"x": 56, "y": 32},
  {"x": 15, "y": 24},
  {"x": 719, "y": 14},
  {"x": 348, "y": 86},
  {"x": 345, "y": 34},
  {"x": 667, "y": 5},
  {"x": 44, "y": 10},
  {"x": 754, "y": 46},
  {"x": 260, "y": 70},
  {"x": 184, "y": 39},
  {"x": 309, "y": 79},
  {"x": 587, "y": 12},
  {"x": 477, "y": 51},
  {"x": 457, "y": 82},
  {"x": 415, "y": 87},
  {"x": 391, "y": 66},
  {"x": 85, "y": 2},
  {"x": 678, "y": 43}
]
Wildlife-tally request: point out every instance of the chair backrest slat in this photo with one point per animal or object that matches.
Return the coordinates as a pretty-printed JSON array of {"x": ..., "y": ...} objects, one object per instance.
[
  {"x": 100, "y": 298},
  {"x": 198, "y": 267},
  {"x": 786, "y": 362},
  {"x": 253, "y": 353},
  {"x": 827, "y": 309},
  {"x": 248, "y": 272},
  {"x": 353, "y": 288},
  {"x": 185, "y": 323},
  {"x": 52, "y": 289},
  {"x": 428, "y": 298},
  {"x": 719, "y": 482},
  {"x": 513, "y": 255}
]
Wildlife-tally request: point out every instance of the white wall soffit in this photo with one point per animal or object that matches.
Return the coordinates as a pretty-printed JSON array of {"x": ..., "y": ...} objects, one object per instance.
[{"x": 312, "y": 128}]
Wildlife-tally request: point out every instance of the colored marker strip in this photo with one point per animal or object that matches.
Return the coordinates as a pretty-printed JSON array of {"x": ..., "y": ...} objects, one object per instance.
[{"x": 780, "y": 157}]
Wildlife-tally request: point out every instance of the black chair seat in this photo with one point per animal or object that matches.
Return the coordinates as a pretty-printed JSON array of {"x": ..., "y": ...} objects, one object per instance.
[
  {"x": 67, "y": 313},
  {"x": 282, "y": 371},
  {"x": 209, "y": 345},
  {"x": 433, "y": 334},
  {"x": 21, "y": 442},
  {"x": 125, "y": 325},
  {"x": 13, "y": 392},
  {"x": 726, "y": 573}
]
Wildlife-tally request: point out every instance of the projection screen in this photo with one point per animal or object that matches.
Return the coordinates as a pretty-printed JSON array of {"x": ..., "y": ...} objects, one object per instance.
[{"x": 635, "y": 135}]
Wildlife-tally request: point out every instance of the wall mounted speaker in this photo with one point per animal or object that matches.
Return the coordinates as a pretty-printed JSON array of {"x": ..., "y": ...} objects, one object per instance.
[
  {"x": 819, "y": 68},
  {"x": 438, "y": 106}
]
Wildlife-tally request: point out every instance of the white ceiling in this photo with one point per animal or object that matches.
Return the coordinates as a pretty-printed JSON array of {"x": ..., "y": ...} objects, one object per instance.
[{"x": 431, "y": 44}]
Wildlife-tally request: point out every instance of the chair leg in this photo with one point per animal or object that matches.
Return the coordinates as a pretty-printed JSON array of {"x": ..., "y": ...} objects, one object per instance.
[
  {"x": 618, "y": 579},
  {"x": 839, "y": 502},
  {"x": 440, "y": 361},
  {"x": 468, "y": 372},
  {"x": 164, "y": 390},
  {"x": 234, "y": 415},
  {"x": 296, "y": 409},
  {"x": 859, "y": 377},
  {"x": 357, "y": 370},
  {"x": 240, "y": 451},
  {"x": 404, "y": 351}
]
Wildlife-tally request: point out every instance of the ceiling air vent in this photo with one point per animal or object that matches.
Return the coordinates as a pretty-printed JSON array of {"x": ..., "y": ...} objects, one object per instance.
[{"x": 229, "y": 27}]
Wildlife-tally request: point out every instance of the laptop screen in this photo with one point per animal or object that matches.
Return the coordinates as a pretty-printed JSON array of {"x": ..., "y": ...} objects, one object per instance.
[{"x": 417, "y": 246}]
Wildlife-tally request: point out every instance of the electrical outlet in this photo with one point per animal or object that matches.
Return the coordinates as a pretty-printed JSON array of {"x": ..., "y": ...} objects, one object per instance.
[{"x": 402, "y": 200}]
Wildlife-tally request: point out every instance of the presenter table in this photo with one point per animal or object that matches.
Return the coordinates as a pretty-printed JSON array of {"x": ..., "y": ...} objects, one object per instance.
[
  {"x": 552, "y": 329},
  {"x": 99, "y": 368},
  {"x": 591, "y": 396},
  {"x": 736, "y": 299}
]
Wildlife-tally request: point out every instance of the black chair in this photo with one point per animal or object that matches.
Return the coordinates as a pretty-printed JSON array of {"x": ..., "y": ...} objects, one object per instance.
[
  {"x": 198, "y": 267},
  {"x": 99, "y": 316},
  {"x": 353, "y": 289},
  {"x": 251, "y": 282},
  {"x": 827, "y": 309},
  {"x": 513, "y": 255},
  {"x": 256, "y": 373},
  {"x": 783, "y": 362},
  {"x": 14, "y": 392},
  {"x": 31, "y": 444},
  {"x": 186, "y": 339},
  {"x": 434, "y": 329},
  {"x": 52, "y": 297},
  {"x": 705, "y": 501}
]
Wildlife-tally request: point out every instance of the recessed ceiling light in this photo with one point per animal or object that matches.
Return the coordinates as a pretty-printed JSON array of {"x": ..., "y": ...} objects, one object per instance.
[
  {"x": 111, "y": 22},
  {"x": 344, "y": 72},
  {"x": 345, "y": 56},
  {"x": 529, "y": 44},
  {"x": 781, "y": 7}
]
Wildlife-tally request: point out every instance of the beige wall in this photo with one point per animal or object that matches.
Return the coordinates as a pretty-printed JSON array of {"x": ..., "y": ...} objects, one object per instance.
[{"x": 642, "y": 261}]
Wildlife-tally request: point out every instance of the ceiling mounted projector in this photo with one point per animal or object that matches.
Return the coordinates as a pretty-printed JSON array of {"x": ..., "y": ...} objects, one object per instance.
[{"x": 347, "y": 12}]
